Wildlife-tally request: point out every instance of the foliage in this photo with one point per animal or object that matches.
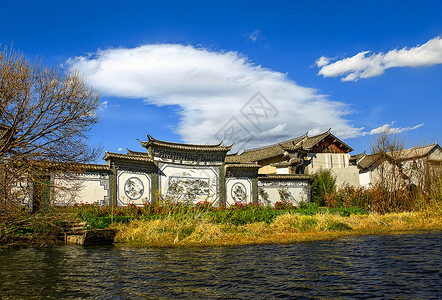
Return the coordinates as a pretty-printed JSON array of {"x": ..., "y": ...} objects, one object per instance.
[
  {"x": 403, "y": 180},
  {"x": 376, "y": 199},
  {"x": 18, "y": 227},
  {"x": 237, "y": 214},
  {"x": 45, "y": 116},
  {"x": 323, "y": 182},
  {"x": 288, "y": 227}
]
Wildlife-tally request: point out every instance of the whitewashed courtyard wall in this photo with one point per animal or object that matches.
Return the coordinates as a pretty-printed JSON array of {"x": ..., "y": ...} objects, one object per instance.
[
  {"x": 133, "y": 187},
  {"x": 238, "y": 190},
  {"x": 87, "y": 188},
  {"x": 189, "y": 184},
  {"x": 272, "y": 191}
]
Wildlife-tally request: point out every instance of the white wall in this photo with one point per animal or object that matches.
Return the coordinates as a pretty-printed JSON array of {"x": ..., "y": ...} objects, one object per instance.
[
  {"x": 296, "y": 191},
  {"x": 133, "y": 188},
  {"x": 86, "y": 188},
  {"x": 238, "y": 190},
  {"x": 365, "y": 179},
  {"x": 284, "y": 170},
  {"x": 338, "y": 163},
  {"x": 203, "y": 179}
]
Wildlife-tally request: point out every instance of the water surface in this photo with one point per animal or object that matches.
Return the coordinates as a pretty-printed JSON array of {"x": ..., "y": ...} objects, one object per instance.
[{"x": 395, "y": 267}]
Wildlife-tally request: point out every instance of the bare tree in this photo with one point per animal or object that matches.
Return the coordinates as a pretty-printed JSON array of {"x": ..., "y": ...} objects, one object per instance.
[
  {"x": 402, "y": 176},
  {"x": 45, "y": 116}
]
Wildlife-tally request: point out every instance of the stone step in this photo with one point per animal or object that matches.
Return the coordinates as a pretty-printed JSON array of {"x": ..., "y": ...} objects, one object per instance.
[
  {"x": 74, "y": 228},
  {"x": 79, "y": 232}
]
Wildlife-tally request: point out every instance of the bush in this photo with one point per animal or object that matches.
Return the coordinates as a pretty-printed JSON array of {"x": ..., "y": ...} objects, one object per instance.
[
  {"x": 284, "y": 205},
  {"x": 323, "y": 182},
  {"x": 348, "y": 196},
  {"x": 98, "y": 217}
]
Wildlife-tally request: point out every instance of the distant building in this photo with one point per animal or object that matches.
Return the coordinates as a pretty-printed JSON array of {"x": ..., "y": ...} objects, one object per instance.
[
  {"x": 304, "y": 155},
  {"x": 412, "y": 165}
]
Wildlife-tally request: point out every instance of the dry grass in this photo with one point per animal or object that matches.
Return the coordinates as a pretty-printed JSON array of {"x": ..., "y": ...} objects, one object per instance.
[{"x": 287, "y": 228}]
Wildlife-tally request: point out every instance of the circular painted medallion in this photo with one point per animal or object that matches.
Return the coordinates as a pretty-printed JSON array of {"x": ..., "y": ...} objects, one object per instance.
[
  {"x": 239, "y": 192},
  {"x": 133, "y": 188}
]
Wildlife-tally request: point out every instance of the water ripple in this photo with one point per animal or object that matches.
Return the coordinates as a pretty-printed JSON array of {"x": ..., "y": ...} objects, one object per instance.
[{"x": 394, "y": 267}]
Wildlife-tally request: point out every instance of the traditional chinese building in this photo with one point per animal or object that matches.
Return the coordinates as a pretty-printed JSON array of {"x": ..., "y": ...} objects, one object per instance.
[
  {"x": 190, "y": 173},
  {"x": 185, "y": 173}
]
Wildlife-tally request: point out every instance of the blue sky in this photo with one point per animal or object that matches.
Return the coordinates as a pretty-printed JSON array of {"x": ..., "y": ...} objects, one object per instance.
[{"x": 190, "y": 71}]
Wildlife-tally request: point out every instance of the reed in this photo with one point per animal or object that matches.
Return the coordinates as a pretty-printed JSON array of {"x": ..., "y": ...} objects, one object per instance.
[{"x": 200, "y": 230}]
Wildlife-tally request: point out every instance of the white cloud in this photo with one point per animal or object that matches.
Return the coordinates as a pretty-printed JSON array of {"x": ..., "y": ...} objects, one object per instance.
[
  {"x": 322, "y": 61},
  {"x": 120, "y": 149},
  {"x": 210, "y": 88},
  {"x": 366, "y": 64},
  {"x": 255, "y": 36},
  {"x": 103, "y": 105},
  {"x": 389, "y": 129}
]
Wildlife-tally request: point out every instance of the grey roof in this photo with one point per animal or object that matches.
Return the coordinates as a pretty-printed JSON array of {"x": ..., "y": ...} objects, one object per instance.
[
  {"x": 261, "y": 153},
  {"x": 309, "y": 142},
  {"x": 291, "y": 162},
  {"x": 180, "y": 146},
  {"x": 368, "y": 160},
  {"x": 284, "y": 177},
  {"x": 72, "y": 166},
  {"x": 131, "y": 157},
  {"x": 303, "y": 142},
  {"x": 402, "y": 155},
  {"x": 416, "y": 152},
  {"x": 131, "y": 152},
  {"x": 245, "y": 165},
  {"x": 358, "y": 156}
]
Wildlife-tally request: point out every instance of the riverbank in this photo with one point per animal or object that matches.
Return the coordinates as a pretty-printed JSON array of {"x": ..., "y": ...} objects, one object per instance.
[
  {"x": 177, "y": 225},
  {"x": 198, "y": 231}
]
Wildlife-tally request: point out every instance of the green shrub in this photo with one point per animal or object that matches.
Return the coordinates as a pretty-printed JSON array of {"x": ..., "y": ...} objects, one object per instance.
[{"x": 323, "y": 182}]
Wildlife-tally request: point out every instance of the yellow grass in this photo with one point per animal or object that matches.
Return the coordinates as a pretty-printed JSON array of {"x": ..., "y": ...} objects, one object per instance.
[{"x": 285, "y": 229}]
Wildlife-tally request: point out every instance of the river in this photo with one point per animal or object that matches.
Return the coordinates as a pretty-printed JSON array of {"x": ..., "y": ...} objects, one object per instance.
[{"x": 405, "y": 266}]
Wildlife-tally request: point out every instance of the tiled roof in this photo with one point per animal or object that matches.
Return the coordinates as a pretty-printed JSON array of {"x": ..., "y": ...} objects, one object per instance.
[
  {"x": 309, "y": 142},
  {"x": 189, "y": 147},
  {"x": 243, "y": 166},
  {"x": 278, "y": 149},
  {"x": 131, "y": 152},
  {"x": 406, "y": 154},
  {"x": 73, "y": 166},
  {"x": 94, "y": 167},
  {"x": 233, "y": 158},
  {"x": 368, "y": 160},
  {"x": 261, "y": 153},
  {"x": 358, "y": 156},
  {"x": 416, "y": 152},
  {"x": 139, "y": 158},
  {"x": 291, "y": 162},
  {"x": 284, "y": 177}
]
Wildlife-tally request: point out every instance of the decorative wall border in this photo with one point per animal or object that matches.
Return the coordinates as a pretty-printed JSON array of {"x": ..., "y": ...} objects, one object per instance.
[
  {"x": 120, "y": 173},
  {"x": 215, "y": 169},
  {"x": 103, "y": 181},
  {"x": 249, "y": 181}
]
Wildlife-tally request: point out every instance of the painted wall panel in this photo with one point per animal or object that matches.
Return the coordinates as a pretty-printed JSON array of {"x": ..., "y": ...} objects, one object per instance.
[
  {"x": 133, "y": 188},
  {"x": 189, "y": 184},
  {"x": 238, "y": 190},
  {"x": 270, "y": 192}
]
